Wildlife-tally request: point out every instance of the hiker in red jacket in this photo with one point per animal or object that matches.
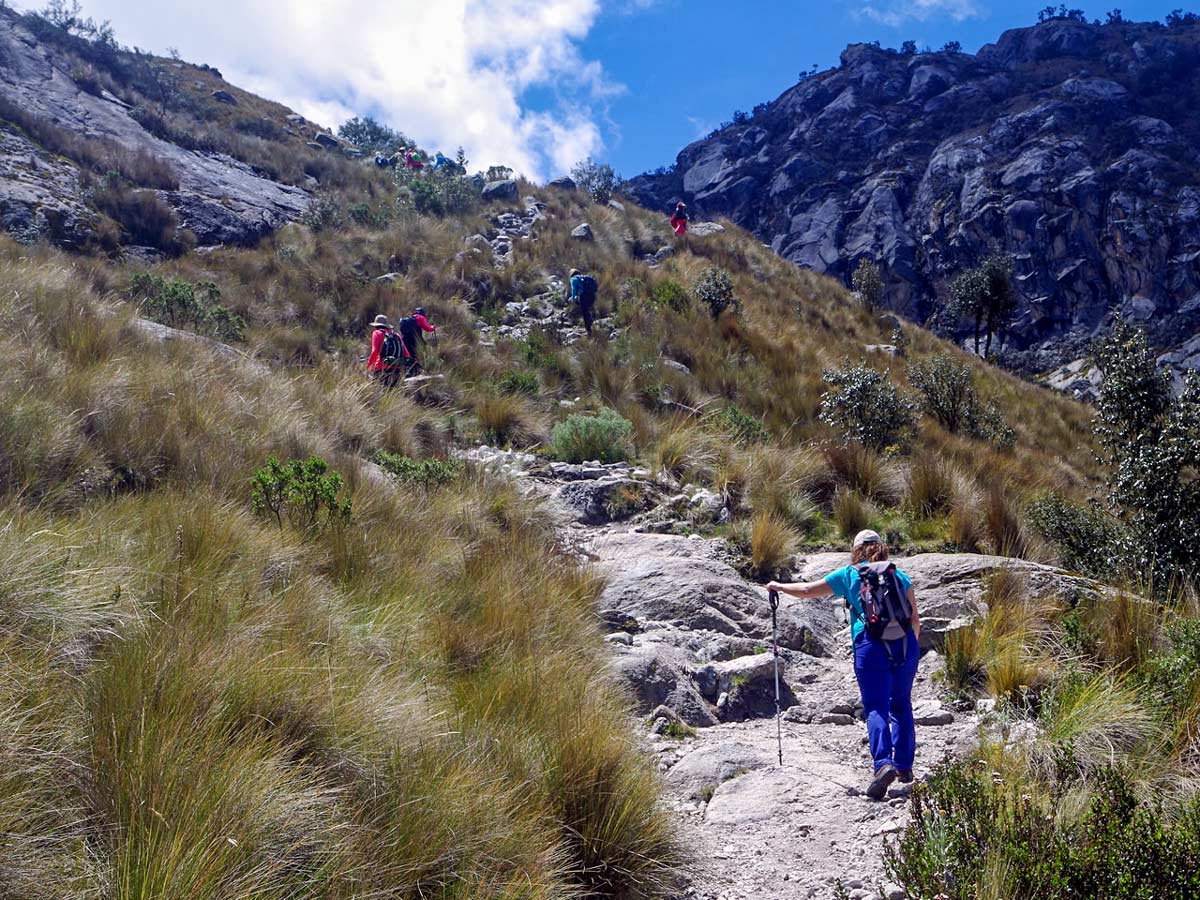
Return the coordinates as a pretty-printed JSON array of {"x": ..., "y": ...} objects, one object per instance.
[
  {"x": 679, "y": 219},
  {"x": 389, "y": 356},
  {"x": 412, "y": 332}
]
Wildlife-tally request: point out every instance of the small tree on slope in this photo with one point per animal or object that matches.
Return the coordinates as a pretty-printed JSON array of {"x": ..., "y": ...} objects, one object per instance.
[{"x": 1151, "y": 443}]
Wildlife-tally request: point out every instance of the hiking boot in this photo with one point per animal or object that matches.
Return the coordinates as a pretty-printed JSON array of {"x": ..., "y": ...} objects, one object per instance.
[
  {"x": 904, "y": 776},
  {"x": 884, "y": 776}
]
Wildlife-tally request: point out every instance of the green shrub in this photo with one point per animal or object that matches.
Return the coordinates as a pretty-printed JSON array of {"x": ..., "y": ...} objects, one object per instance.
[
  {"x": 670, "y": 294},
  {"x": 714, "y": 288},
  {"x": 324, "y": 213},
  {"x": 947, "y": 390},
  {"x": 368, "y": 216},
  {"x": 604, "y": 437},
  {"x": 518, "y": 381},
  {"x": 1086, "y": 538},
  {"x": 597, "y": 180},
  {"x": 972, "y": 834},
  {"x": 424, "y": 473},
  {"x": 304, "y": 491},
  {"x": 180, "y": 303},
  {"x": 865, "y": 407},
  {"x": 441, "y": 193},
  {"x": 744, "y": 428},
  {"x": 868, "y": 285},
  {"x": 1149, "y": 439}
]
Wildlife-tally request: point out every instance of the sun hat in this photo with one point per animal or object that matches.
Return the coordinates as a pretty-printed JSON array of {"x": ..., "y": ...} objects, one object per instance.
[
  {"x": 381, "y": 321},
  {"x": 419, "y": 311},
  {"x": 572, "y": 273},
  {"x": 867, "y": 537}
]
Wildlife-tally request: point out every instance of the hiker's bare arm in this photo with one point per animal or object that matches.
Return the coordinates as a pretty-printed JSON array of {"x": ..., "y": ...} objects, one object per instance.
[
  {"x": 805, "y": 590},
  {"x": 916, "y": 619}
]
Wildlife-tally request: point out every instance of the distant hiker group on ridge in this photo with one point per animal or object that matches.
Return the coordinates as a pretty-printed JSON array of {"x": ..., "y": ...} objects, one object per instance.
[{"x": 396, "y": 352}]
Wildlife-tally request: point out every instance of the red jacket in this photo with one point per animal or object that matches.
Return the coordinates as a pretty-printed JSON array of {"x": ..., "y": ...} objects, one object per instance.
[
  {"x": 424, "y": 323},
  {"x": 679, "y": 221},
  {"x": 375, "y": 361}
]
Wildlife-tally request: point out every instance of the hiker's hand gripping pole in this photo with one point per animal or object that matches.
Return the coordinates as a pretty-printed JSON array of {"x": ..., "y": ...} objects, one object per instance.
[{"x": 773, "y": 597}]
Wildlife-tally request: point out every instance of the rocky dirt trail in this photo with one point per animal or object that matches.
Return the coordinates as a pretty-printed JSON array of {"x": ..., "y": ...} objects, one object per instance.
[{"x": 690, "y": 636}]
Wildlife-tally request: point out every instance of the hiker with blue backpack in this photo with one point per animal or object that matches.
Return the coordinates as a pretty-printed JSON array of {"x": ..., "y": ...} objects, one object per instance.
[
  {"x": 885, "y": 630},
  {"x": 582, "y": 289}
]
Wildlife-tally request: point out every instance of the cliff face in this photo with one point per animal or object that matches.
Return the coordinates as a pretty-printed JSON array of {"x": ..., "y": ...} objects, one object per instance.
[
  {"x": 1074, "y": 147},
  {"x": 71, "y": 109}
]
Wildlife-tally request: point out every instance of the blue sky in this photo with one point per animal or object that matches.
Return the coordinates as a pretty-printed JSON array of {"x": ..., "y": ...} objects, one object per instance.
[
  {"x": 688, "y": 64},
  {"x": 539, "y": 84}
]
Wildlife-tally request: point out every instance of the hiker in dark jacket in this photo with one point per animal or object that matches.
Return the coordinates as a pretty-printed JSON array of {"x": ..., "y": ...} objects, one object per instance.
[
  {"x": 679, "y": 219},
  {"x": 412, "y": 331},
  {"x": 388, "y": 354},
  {"x": 582, "y": 289},
  {"x": 885, "y": 658}
]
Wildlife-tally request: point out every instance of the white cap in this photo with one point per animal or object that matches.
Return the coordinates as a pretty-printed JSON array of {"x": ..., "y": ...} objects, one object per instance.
[{"x": 867, "y": 537}]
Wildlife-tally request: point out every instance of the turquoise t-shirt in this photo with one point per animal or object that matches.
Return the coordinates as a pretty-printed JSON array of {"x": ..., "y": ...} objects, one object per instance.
[{"x": 847, "y": 584}]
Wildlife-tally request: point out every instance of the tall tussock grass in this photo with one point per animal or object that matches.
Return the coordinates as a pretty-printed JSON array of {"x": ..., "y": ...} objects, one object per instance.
[{"x": 197, "y": 701}]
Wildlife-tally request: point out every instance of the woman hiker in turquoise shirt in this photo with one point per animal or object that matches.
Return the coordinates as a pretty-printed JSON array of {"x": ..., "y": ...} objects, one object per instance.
[{"x": 885, "y": 668}]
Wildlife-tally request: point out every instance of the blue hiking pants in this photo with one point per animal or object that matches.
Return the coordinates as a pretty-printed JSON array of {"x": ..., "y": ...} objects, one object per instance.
[{"x": 885, "y": 683}]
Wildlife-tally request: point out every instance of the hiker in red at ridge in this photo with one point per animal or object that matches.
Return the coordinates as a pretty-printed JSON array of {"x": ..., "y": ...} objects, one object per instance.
[
  {"x": 389, "y": 356},
  {"x": 679, "y": 219},
  {"x": 414, "y": 161}
]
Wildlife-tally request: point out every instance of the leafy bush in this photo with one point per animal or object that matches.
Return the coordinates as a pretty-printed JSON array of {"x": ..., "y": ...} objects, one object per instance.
[
  {"x": 947, "y": 390},
  {"x": 1085, "y": 538},
  {"x": 441, "y": 193},
  {"x": 973, "y": 834},
  {"x": 324, "y": 213},
  {"x": 745, "y": 428},
  {"x": 369, "y": 216},
  {"x": 868, "y": 285},
  {"x": 598, "y": 180},
  {"x": 1149, "y": 439},
  {"x": 368, "y": 134},
  {"x": 518, "y": 381},
  {"x": 865, "y": 407},
  {"x": 304, "y": 491},
  {"x": 714, "y": 288},
  {"x": 670, "y": 294},
  {"x": 423, "y": 473},
  {"x": 581, "y": 438},
  {"x": 180, "y": 303}
]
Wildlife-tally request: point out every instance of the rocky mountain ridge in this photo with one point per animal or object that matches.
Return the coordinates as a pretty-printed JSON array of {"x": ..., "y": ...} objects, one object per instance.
[
  {"x": 1069, "y": 145},
  {"x": 218, "y": 198}
]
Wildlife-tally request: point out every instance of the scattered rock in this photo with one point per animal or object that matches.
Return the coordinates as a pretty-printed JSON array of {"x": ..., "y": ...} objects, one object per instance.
[
  {"x": 501, "y": 190},
  {"x": 676, "y": 366},
  {"x": 706, "y": 229},
  {"x": 223, "y": 96},
  {"x": 328, "y": 141},
  {"x": 582, "y": 232},
  {"x": 619, "y": 207},
  {"x": 699, "y": 773},
  {"x": 565, "y": 183},
  {"x": 835, "y": 719},
  {"x": 931, "y": 712},
  {"x": 389, "y": 277}
]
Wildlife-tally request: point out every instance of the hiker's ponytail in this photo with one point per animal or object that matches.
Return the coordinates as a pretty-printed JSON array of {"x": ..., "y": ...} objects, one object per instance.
[{"x": 873, "y": 552}]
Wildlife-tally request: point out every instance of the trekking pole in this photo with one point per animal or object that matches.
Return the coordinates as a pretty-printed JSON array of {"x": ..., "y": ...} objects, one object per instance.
[{"x": 773, "y": 596}]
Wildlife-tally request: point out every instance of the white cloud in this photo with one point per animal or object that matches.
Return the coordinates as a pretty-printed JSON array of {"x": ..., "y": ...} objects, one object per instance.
[
  {"x": 445, "y": 72},
  {"x": 899, "y": 12}
]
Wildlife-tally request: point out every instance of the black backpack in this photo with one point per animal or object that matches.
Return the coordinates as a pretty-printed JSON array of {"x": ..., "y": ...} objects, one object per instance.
[
  {"x": 588, "y": 288},
  {"x": 392, "y": 350},
  {"x": 409, "y": 330},
  {"x": 885, "y": 605}
]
